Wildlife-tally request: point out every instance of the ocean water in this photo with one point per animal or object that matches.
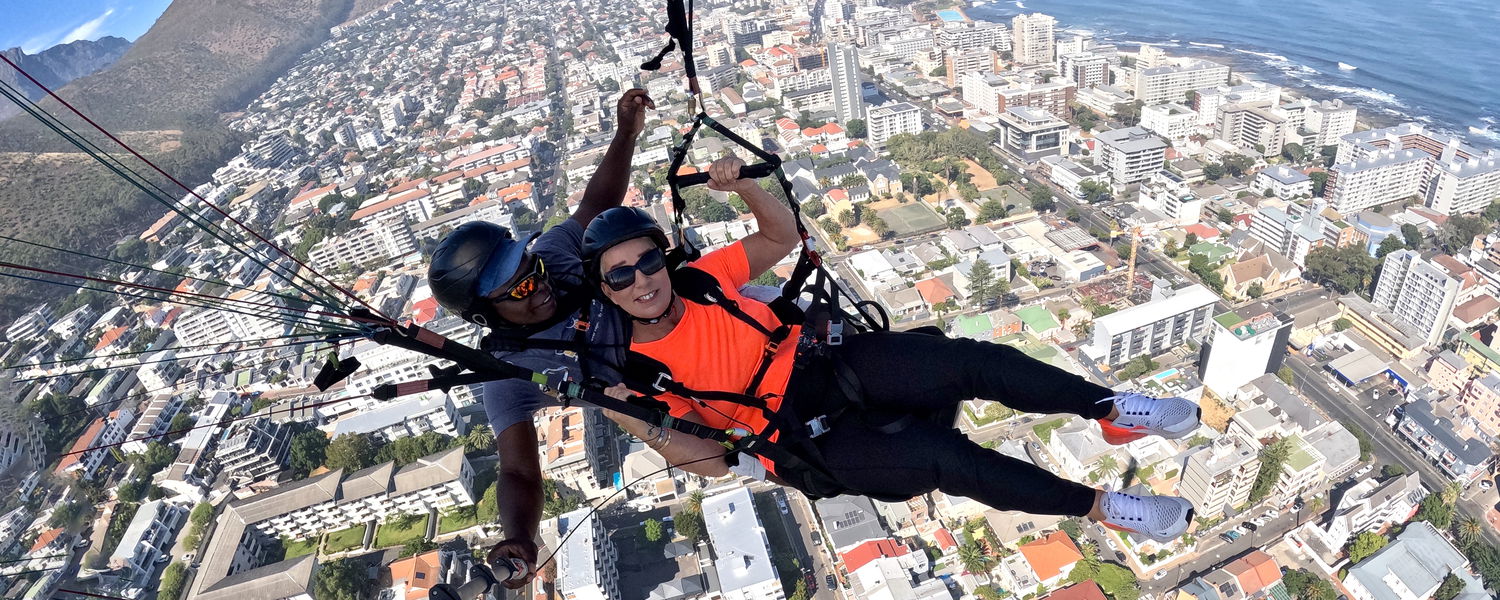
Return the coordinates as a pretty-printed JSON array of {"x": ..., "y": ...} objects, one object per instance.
[{"x": 1436, "y": 62}]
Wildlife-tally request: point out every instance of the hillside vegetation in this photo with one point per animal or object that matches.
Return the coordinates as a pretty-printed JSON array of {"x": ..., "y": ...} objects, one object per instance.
[{"x": 200, "y": 60}]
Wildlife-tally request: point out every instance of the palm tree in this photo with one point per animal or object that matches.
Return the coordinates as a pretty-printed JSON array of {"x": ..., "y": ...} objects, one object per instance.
[
  {"x": 1450, "y": 493},
  {"x": 1108, "y": 467},
  {"x": 479, "y": 439},
  {"x": 1090, "y": 562},
  {"x": 1469, "y": 530},
  {"x": 695, "y": 501},
  {"x": 973, "y": 558}
]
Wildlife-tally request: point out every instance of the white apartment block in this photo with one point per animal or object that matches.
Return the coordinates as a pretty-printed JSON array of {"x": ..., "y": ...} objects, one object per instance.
[
  {"x": 1254, "y": 126},
  {"x": 1172, "y": 83},
  {"x": 843, "y": 70},
  {"x": 995, "y": 94},
  {"x": 1219, "y": 477},
  {"x": 1170, "y": 319},
  {"x": 892, "y": 120},
  {"x": 1292, "y": 236},
  {"x": 1481, "y": 400},
  {"x": 410, "y": 416},
  {"x": 213, "y": 327},
  {"x": 30, "y": 325},
  {"x": 1031, "y": 133},
  {"x": 1242, "y": 349},
  {"x": 1171, "y": 120},
  {"x": 1302, "y": 470},
  {"x": 1417, "y": 292},
  {"x": 960, "y": 63},
  {"x": 1130, "y": 154},
  {"x": 979, "y": 34},
  {"x": 744, "y": 554},
  {"x": 154, "y": 421},
  {"x": 1331, "y": 120},
  {"x": 1452, "y": 177},
  {"x": 1360, "y": 184},
  {"x": 1282, "y": 181},
  {"x": 149, "y": 536},
  {"x": 379, "y": 239},
  {"x": 1085, "y": 69},
  {"x": 100, "y": 435},
  {"x": 1369, "y": 506},
  {"x": 587, "y": 562},
  {"x": 1169, "y": 194},
  {"x": 1032, "y": 38},
  {"x": 1070, "y": 175},
  {"x": 255, "y": 449}
]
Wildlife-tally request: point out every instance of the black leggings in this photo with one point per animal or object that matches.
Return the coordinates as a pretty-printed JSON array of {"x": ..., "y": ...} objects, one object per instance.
[{"x": 913, "y": 373}]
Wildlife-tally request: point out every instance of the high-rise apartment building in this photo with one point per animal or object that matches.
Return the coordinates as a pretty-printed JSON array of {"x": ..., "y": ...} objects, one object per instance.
[
  {"x": 1170, "y": 319},
  {"x": 1418, "y": 292},
  {"x": 1382, "y": 165},
  {"x": 1379, "y": 179},
  {"x": 960, "y": 63},
  {"x": 1242, "y": 347},
  {"x": 588, "y": 563},
  {"x": 1131, "y": 154},
  {"x": 1253, "y": 126},
  {"x": 891, "y": 120},
  {"x": 1219, "y": 477},
  {"x": 843, "y": 68},
  {"x": 1171, "y": 120},
  {"x": 1171, "y": 83},
  {"x": 1331, "y": 120},
  {"x": 1085, "y": 68},
  {"x": 1032, "y": 39}
]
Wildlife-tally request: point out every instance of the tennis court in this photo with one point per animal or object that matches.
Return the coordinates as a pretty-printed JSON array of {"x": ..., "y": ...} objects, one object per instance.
[{"x": 912, "y": 219}]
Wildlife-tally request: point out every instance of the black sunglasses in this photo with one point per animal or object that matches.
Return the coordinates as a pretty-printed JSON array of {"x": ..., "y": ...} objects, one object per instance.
[{"x": 620, "y": 278}]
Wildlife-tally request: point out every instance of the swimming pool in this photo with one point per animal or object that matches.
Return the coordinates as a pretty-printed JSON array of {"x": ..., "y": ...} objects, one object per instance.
[
  {"x": 950, "y": 15},
  {"x": 1165, "y": 375}
]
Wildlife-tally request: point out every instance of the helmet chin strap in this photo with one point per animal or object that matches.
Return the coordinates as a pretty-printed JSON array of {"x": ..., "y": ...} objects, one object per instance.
[{"x": 671, "y": 302}]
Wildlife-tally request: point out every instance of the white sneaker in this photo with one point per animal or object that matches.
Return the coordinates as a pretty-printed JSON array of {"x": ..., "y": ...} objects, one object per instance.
[
  {"x": 1161, "y": 518},
  {"x": 1142, "y": 415}
]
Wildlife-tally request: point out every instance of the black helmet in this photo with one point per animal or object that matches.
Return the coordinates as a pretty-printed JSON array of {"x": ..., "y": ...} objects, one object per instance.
[
  {"x": 614, "y": 226},
  {"x": 463, "y": 259}
]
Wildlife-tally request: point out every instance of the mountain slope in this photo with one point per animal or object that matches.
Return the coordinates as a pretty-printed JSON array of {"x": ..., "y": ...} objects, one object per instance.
[
  {"x": 63, "y": 63},
  {"x": 200, "y": 59}
]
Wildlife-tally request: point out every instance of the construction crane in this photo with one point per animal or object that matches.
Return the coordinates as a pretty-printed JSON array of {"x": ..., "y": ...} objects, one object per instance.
[{"x": 1135, "y": 245}]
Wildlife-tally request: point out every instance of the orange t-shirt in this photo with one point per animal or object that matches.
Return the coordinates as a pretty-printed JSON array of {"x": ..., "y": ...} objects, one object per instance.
[{"x": 711, "y": 350}]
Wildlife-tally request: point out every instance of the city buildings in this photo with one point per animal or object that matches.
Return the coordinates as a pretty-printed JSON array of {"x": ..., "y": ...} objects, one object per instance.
[
  {"x": 587, "y": 561},
  {"x": 1171, "y": 318},
  {"x": 1420, "y": 293},
  {"x": 1253, "y": 126},
  {"x": 1369, "y": 505},
  {"x": 1032, "y": 38},
  {"x": 1171, "y": 83},
  {"x": 1378, "y": 179},
  {"x": 1031, "y": 134},
  {"x": 1169, "y": 194},
  {"x": 1282, "y": 181},
  {"x": 1331, "y": 120},
  {"x": 1070, "y": 175},
  {"x": 1384, "y": 165},
  {"x": 744, "y": 556},
  {"x": 1130, "y": 154},
  {"x": 92, "y": 447},
  {"x": 892, "y": 120},
  {"x": 1242, "y": 347},
  {"x": 1435, "y": 437},
  {"x": 1171, "y": 120},
  {"x": 1413, "y": 565},
  {"x": 254, "y": 449},
  {"x": 1290, "y": 235},
  {"x": 843, "y": 70},
  {"x": 994, "y": 94},
  {"x": 1218, "y": 477},
  {"x": 962, "y": 63},
  {"x": 1253, "y": 576},
  {"x": 1085, "y": 68},
  {"x": 148, "y": 537}
]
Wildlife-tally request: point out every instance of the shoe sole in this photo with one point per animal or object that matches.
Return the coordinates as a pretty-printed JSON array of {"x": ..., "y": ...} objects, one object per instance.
[{"x": 1122, "y": 435}]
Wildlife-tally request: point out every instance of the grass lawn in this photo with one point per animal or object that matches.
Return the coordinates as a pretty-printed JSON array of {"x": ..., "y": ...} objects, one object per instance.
[
  {"x": 390, "y": 534},
  {"x": 346, "y": 539},
  {"x": 456, "y": 522},
  {"x": 295, "y": 548},
  {"x": 1044, "y": 430}
]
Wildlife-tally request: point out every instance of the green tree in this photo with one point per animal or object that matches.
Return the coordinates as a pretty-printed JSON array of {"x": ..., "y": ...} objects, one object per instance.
[
  {"x": 1224, "y": 215},
  {"x": 1256, "y": 290},
  {"x": 857, "y": 128},
  {"x": 1285, "y": 374},
  {"x": 1468, "y": 529},
  {"x": 800, "y": 591},
  {"x": 180, "y": 425},
  {"x": 1293, "y": 152},
  {"x": 156, "y": 457},
  {"x": 1129, "y": 113},
  {"x": 1390, "y": 244},
  {"x": 973, "y": 558},
  {"x": 488, "y": 510},
  {"x": 1449, "y": 589},
  {"x": 479, "y": 439},
  {"x": 1072, "y": 528},
  {"x": 1365, "y": 544},
  {"x": 308, "y": 451},
  {"x": 1412, "y": 236},
  {"x": 1366, "y": 447},
  {"x": 65, "y": 514},
  {"x": 342, "y": 579},
  {"x": 1041, "y": 197},
  {"x": 813, "y": 208},
  {"x": 652, "y": 530},
  {"x": 172, "y": 581},
  {"x": 847, "y": 218},
  {"x": 956, "y": 218},
  {"x": 1342, "y": 323},
  {"x": 1346, "y": 269},
  {"x": 938, "y": 71},
  {"x": 350, "y": 452},
  {"x": 1213, "y": 171},
  {"x": 554, "y": 502},
  {"x": 1206, "y": 271},
  {"x": 1303, "y": 585},
  {"x": 1272, "y": 457},
  {"x": 1319, "y": 182},
  {"x": 1093, "y": 190},
  {"x": 1491, "y": 213},
  {"x": 689, "y": 524},
  {"x": 1237, "y": 165},
  {"x": 1392, "y": 470},
  {"x": 1461, "y": 230},
  {"x": 1435, "y": 511},
  {"x": 132, "y": 491},
  {"x": 992, "y": 210}
]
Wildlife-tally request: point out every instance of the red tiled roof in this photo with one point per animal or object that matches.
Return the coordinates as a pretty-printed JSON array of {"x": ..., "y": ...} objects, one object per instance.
[
  {"x": 1476, "y": 309},
  {"x": 314, "y": 194},
  {"x": 945, "y": 539},
  {"x": 172, "y": 315},
  {"x": 447, "y": 177},
  {"x": 406, "y": 185},
  {"x": 934, "y": 291},
  {"x": 47, "y": 537},
  {"x": 838, "y": 194},
  {"x": 1085, "y": 590},
  {"x": 818, "y": 149},
  {"x": 1050, "y": 555},
  {"x": 863, "y": 554},
  {"x": 1204, "y": 232},
  {"x": 420, "y": 573},
  {"x": 83, "y": 441},
  {"x": 424, "y": 311},
  {"x": 1255, "y": 572},
  {"x": 109, "y": 338}
]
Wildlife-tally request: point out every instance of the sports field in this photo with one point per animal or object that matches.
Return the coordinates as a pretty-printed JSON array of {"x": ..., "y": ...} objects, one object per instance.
[{"x": 912, "y": 219}]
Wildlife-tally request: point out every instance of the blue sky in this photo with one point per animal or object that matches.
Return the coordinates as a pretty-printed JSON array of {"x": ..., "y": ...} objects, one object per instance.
[{"x": 36, "y": 25}]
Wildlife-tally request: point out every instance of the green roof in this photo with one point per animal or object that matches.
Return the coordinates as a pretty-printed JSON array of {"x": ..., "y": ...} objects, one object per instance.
[
  {"x": 1300, "y": 458},
  {"x": 1214, "y": 252},
  {"x": 975, "y": 326},
  {"x": 1488, "y": 353},
  {"x": 1037, "y": 318},
  {"x": 1228, "y": 320},
  {"x": 243, "y": 379}
]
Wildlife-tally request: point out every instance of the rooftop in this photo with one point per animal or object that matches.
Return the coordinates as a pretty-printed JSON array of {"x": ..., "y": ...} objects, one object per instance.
[
  {"x": 1417, "y": 560},
  {"x": 738, "y": 540}
]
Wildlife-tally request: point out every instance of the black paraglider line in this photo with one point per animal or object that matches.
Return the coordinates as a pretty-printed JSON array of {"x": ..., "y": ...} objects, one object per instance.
[
  {"x": 148, "y": 362},
  {"x": 174, "y": 348}
]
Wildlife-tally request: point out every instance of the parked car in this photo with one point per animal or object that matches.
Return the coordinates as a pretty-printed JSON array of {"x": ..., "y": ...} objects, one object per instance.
[
  {"x": 830, "y": 580},
  {"x": 1250, "y": 527},
  {"x": 1486, "y": 484},
  {"x": 1273, "y": 513},
  {"x": 1160, "y": 575}
]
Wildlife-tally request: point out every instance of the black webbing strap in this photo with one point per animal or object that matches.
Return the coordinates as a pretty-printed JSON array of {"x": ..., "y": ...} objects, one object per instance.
[{"x": 680, "y": 28}]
